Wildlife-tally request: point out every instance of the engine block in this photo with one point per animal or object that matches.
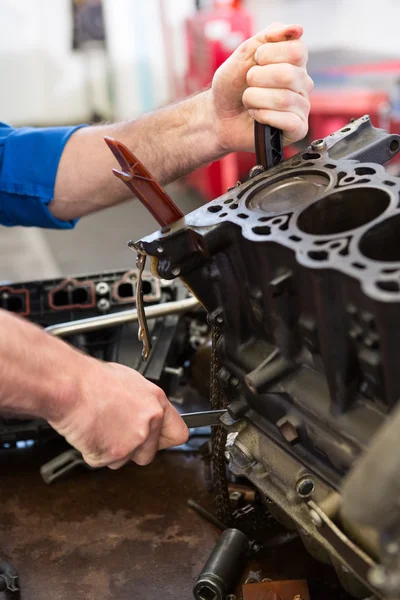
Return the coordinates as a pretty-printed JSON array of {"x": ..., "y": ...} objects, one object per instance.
[{"x": 299, "y": 270}]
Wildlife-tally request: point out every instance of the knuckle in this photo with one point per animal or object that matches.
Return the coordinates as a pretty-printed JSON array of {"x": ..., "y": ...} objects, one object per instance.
[
  {"x": 310, "y": 84},
  {"x": 247, "y": 97},
  {"x": 297, "y": 52},
  {"x": 246, "y": 48},
  {"x": 141, "y": 435},
  {"x": 157, "y": 416},
  {"x": 116, "y": 454},
  {"x": 284, "y": 99},
  {"x": 251, "y": 76},
  {"x": 142, "y": 461},
  {"x": 160, "y": 397},
  {"x": 287, "y": 75},
  {"x": 93, "y": 461}
]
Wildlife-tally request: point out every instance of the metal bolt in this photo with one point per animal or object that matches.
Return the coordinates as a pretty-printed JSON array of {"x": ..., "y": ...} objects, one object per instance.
[
  {"x": 315, "y": 518},
  {"x": 288, "y": 430},
  {"x": 103, "y": 304},
  {"x": 256, "y": 170},
  {"x": 102, "y": 288},
  {"x": 172, "y": 371},
  {"x": 230, "y": 597},
  {"x": 318, "y": 145},
  {"x": 377, "y": 577},
  {"x": 160, "y": 249},
  {"x": 175, "y": 271},
  {"x": 297, "y": 597},
  {"x": 392, "y": 548}
]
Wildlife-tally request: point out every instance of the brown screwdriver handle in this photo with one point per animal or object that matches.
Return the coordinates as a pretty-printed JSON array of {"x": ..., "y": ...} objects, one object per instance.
[
  {"x": 141, "y": 183},
  {"x": 269, "y": 145}
]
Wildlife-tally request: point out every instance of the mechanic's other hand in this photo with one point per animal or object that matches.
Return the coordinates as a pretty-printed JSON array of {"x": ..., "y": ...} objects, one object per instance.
[
  {"x": 264, "y": 79},
  {"x": 118, "y": 416}
]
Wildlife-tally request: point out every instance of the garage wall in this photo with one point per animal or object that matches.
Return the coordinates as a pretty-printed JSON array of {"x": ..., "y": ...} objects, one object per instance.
[
  {"x": 44, "y": 82},
  {"x": 361, "y": 24}
]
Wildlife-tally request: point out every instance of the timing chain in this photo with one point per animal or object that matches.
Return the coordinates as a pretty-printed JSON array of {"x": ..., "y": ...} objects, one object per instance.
[
  {"x": 257, "y": 520},
  {"x": 218, "y": 437}
]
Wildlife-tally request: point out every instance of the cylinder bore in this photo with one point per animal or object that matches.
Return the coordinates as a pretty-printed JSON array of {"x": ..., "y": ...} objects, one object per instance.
[
  {"x": 382, "y": 242},
  {"x": 343, "y": 210},
  {"x": 289, "y": 191}
]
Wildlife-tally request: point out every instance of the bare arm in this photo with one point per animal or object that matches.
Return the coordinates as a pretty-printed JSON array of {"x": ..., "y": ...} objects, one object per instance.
[
  {"x": 265, "y": 78},
  {"x": 170, "y": 142},
  {"x": 107, "y": 411}
]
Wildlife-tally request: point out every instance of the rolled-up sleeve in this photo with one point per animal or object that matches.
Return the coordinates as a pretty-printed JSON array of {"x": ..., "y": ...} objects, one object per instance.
[{"x": 29, "y": 159}]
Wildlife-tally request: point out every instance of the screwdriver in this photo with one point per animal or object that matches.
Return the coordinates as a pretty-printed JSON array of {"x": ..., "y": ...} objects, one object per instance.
[
  {"x": 203, "y": 418},
  {"x": 68, "y": 460}
]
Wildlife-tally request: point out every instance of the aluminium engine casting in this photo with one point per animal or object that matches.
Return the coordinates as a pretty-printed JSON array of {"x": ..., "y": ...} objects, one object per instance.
[{"x": 299, "y": 271}]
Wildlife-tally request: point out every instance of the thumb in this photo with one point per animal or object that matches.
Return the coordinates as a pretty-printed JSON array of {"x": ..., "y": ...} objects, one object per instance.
[
  {"x": 173, "y": 431},
  {"x": 277, "y": 32}
]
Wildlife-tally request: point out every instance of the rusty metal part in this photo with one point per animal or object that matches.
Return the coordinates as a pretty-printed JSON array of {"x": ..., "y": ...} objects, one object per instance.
[
  {"x": 141, "y": 183},
  {"x": 249, "y": 493},
  {"x": 277, "y": 590},
  {"x": 143, "y": 331},
  {"x": 120, "y": 318}
]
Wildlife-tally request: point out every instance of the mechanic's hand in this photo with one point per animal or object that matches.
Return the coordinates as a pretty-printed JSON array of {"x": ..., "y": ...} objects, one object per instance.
[
  {"x": 119, "y": 416},
  {"x": 264, "y": 79}
]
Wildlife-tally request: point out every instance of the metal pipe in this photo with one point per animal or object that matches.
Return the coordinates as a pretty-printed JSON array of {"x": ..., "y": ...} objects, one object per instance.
[{"x": 120, "y": 318}]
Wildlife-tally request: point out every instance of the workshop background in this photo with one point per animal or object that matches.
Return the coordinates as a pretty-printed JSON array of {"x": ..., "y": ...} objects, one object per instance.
[{"x": 130, "y": 534}]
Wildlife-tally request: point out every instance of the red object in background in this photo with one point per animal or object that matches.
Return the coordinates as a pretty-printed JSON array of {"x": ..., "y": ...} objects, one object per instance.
[
  {"x": 331, "y": 109},
  {"x": 212, "y": 36}
]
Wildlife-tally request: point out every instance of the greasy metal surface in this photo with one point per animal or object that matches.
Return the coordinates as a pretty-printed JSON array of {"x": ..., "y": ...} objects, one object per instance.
[
  {"x": 124, "y": 535},
  {"x": 141, "y": 183},
  {"x": 282, "y": 590}
]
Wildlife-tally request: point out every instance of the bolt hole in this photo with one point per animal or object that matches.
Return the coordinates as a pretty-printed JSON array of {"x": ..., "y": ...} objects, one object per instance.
[
  {"x": 233, "y": 206},
  {"x": 311, "y": 156},
  {"x": 357, "y": 265},
  {"x": 263, "y": 230},
  {"x": 243, "y": 216},
  {"x": 214, "y": 208},
  {"x": 388, "y": 286},
  {"x": 318, "y": 254},
  {"x": 364, "y": 171},
  {"x": 346, "y": 130},
  {"x": 165, "y": 229},
  {"x": 223, "y": 214},
  {"x": 330, "y": 166},
  {"x": 390, "y": 183},
  {"x": 349, "y": 179},
  {"x": 394, "y": 145},
  {"x": 305, "y": 487},
  {"x": 228, "y": 201}
]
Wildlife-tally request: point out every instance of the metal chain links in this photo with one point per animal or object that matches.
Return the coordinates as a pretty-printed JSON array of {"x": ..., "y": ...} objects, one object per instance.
[
  {"x": 258, "y": 519},
  {"x": 218, "y": 438}
]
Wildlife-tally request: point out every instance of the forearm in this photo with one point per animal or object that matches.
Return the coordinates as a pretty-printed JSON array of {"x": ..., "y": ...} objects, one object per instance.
[
  {"x": 170, "y": 142},
  {"x": 38, "y": 373}
]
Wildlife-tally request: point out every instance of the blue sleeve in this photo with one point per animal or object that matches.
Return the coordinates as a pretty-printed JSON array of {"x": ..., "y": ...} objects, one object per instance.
[{"x": 29, "y": 159}]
